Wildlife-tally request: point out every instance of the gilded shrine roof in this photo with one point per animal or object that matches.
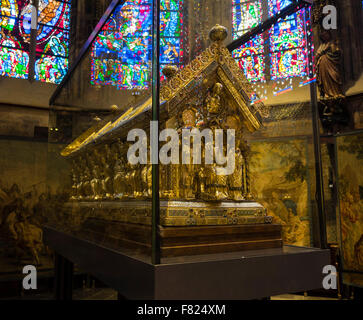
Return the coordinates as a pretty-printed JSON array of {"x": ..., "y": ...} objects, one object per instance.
[{"x": 216, "y": 62}]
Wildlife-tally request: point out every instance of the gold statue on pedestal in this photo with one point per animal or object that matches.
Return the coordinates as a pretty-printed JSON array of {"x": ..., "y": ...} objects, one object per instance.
[
  {"x": 76, "y": 180},
  {"x": 235, "y": 180},
  {"x": 96, "y": 183},
  {"x": 133, "y": 183},
  {"x": 146, "y": 179},
  {"x": 107, "y": 174},
  {"x": 119, "y": 186},
  {"x": 86, "y": 189}
]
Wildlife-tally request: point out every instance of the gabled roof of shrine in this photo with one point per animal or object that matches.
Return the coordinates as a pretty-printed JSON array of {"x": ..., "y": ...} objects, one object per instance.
[{"x": 215, "y": 61}]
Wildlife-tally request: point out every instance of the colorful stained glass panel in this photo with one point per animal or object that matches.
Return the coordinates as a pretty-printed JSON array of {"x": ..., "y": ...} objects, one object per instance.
[
  {"x": 12, "y": 7},
  {"x": 105, "y": 71},
  {"x": 288, "y": 53},
  {"x": 13, "y": 63},
  {"x": 9, "y": 27},
  {"x": 9, "y": 8},
  {"x": 289, "y": 63},
  {"x": 121, "y": 54},
  {"x": 246, "y": 15},
  {"x": 288, "y": 34},
  {"x": 168, "y": 5},
  {"x": 253, "y": 67},
  {"x": 170, "y": 24},
  {"x": 134, "y": 77},
  {"x": 52, "y": 39},
  {"x": 11, "y": 21},
  {"x": 254, "y": 46},
  {"x": 277, "y": 5},
  {"x": 288, "y": 46},
  {"x": 57, "y": 44},
  {"x": 136, "y": 50},
  {"x": 135, "y": 21},
  {"x": 50, "y": 69},
  {"x": 54, "y": 13},
  {"x": 170, "y": 50},
  {"x": 7, "y": 24}
]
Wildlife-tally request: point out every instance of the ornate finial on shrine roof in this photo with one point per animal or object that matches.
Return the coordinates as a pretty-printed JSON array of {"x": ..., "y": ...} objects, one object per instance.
[
  {"x": 218, "y": 33},
  {"x": 170, "y": 71}
]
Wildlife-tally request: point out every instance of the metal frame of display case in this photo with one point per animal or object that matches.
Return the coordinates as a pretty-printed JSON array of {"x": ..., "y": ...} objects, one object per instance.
[
  {"x": 155, "y": 219},
  {"x": 240, "y": 275}
]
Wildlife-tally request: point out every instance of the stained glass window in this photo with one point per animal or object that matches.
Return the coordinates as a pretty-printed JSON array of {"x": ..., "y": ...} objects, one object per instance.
[
  {"x": 52, "y": 41},
  {"x": 274, "y": 6},
  {"x": 14, "y": 45},
  {"x": 287, "y": 40},
  {"x": 121, "y": 53},
  {"x": 122, "y": 50},
  {"x": 51, "y": 60},
  {"x": 288, "y": 52},
  {"x": 248, "y": 14}
]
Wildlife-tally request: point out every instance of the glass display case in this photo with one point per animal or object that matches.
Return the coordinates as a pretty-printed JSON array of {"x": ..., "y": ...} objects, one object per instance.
[{"x": 237, "y": 76}]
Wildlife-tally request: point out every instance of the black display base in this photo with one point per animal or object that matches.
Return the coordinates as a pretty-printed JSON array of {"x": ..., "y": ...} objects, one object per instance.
[{"x": 241, "y": 275}]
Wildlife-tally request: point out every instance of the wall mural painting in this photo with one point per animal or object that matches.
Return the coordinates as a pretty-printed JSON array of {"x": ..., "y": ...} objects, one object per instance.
[
  {"x": 350, "y": 164},
  {"x": 27, "y": 202},
  {"x": 279, "y": 180}
]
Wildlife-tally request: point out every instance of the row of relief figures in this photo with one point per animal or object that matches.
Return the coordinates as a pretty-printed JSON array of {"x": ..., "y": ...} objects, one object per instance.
[{"x": 105, "y": 174}]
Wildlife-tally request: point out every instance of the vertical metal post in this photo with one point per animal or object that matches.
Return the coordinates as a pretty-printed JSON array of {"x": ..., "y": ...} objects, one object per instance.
[
  {"x": 33, "y": 39},
  {"x": 63, "y": 286},
  {"x": 318, "y": 168},
  {"x": 155, "y": 238},
  {"x": 317, "y": 148}
]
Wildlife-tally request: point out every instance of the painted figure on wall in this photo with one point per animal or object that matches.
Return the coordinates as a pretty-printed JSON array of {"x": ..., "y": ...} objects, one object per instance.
[
  {"x": 22, "y": 215},
  {"x": 350, "y": 156},
  {"x": 279, "y": 180},
  {"x": 16, "y": 224}
]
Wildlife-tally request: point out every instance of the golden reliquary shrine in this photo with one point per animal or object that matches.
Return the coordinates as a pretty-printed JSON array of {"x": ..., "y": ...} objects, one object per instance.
[{"x": 200, "y": 211}]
